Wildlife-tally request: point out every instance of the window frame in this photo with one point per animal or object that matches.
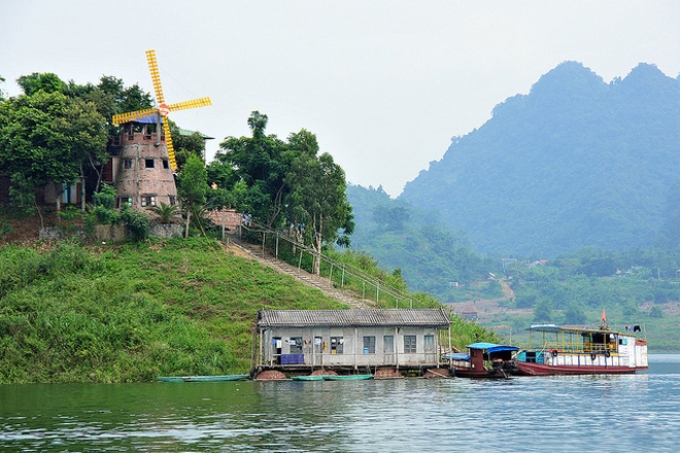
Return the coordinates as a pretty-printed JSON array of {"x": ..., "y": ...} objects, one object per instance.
[
  {"x": 410, "y": 344},
  {"x": 369, "y": 343}
]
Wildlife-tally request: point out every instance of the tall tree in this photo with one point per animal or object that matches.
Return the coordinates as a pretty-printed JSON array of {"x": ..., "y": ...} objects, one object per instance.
[
  {"x": 260, "y": 163},
  {"x": 192, "y": 188},
  {"x": 47, "y": 82},
  {"x": 47, "y": 136},
  {"x": 318, "y": 197}
]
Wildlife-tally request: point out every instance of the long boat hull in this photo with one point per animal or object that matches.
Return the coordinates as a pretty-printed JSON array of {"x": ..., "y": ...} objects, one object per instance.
[
  {"x": 314, "y": 377},
  {"x": 349, "y": 377},
  {"x": 538, "y": 369},
  {"x": 223, "y": 378}
]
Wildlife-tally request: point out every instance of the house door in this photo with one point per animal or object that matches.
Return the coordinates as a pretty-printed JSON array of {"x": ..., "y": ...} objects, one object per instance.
[
  {"x": 388, "y": 349},
  {"x": 318, "y": 351},
  {"x": 277, "y": 344}
]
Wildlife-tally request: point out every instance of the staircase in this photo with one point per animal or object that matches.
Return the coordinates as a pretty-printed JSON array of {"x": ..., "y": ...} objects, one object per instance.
[{"x": 255, "y": 252}]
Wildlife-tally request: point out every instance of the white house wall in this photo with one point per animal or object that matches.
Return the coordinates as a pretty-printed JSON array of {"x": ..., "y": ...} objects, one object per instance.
[{"x": 353, "y": 353}]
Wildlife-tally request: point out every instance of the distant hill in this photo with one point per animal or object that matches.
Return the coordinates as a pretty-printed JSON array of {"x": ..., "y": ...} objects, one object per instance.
[
  {"x": 431, "y": 256},
  {"x": 575, "y": 163}
]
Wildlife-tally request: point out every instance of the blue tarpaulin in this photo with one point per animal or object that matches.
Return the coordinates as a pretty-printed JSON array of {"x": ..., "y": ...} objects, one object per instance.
[{"x": 492, "y": 347}]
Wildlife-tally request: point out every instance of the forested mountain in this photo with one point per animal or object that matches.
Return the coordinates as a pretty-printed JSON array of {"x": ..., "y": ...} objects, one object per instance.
[
  {"x": 431, "y": 255},
  {"x": 575, "y": 163}
]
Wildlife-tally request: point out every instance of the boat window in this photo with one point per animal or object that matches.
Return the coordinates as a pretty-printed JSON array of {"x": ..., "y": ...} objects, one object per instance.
[
  {"x": 409, "y": 344},
  {"x": 369, "y": 345}
]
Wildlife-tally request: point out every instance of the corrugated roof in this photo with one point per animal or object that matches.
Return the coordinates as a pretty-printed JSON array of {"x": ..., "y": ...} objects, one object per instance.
[{"x": 432, "y": 317}]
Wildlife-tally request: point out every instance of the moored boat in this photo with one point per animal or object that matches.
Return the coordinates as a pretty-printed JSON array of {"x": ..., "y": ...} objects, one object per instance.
[
  {"x": 572, "y": 350},
  {"x": 313, "y": 377},
  {"x": 485, "y": 360},
  {"x": 221, "y": 378},
  {"x": 348, "y": 377}
]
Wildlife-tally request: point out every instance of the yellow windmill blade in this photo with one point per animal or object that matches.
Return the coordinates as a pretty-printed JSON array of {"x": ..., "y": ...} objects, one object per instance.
[
  {"x": 155, "y": 76},
  {"x": 132, "y": 116},
  {"x": 200, "y": 102},
  {"x": 168, "y": 144}
]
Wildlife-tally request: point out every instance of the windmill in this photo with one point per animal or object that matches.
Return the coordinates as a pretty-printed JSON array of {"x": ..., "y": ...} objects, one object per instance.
[
  {"x": 162, "y": 110},
  {"x": 142, "y": 169}
]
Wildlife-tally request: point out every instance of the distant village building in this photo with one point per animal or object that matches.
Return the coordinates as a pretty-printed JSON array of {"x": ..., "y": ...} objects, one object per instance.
[{"x": 347, "y": 340}]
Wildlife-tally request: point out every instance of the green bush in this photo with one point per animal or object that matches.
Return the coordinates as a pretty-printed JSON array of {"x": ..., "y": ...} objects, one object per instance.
[{"x": 137, "y": 222}]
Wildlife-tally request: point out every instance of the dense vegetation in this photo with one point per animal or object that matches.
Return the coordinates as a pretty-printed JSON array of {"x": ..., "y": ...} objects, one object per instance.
[
  {"x": 637, "y": 286},
  {"x": 122, "y": 313},
  {"x": 431, "y": 256},
  {"x": 575, "y": 163}
]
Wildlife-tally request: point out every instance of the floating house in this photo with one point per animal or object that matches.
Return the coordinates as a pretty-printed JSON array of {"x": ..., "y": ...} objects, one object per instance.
[{"x": 350, "y": 340}]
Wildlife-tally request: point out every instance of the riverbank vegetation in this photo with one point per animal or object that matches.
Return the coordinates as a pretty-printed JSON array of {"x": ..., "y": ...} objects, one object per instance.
[{"x": 133, "y": 312}]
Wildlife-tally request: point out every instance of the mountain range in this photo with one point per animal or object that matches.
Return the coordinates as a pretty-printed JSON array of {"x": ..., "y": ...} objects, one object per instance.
[{"x": 576, "y": 162}]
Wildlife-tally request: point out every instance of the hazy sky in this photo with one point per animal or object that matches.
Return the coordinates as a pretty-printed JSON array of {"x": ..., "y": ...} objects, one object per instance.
[{"x": 384, "y": 84}]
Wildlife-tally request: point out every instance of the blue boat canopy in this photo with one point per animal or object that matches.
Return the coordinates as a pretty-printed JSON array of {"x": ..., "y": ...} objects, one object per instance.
[
  {"x": 492, "y": 347},
  {"x": 460, "y": 356}
]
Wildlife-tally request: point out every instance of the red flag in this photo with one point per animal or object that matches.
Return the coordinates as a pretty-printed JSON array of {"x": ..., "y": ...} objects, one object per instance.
[{"x": 604, "y": 316}]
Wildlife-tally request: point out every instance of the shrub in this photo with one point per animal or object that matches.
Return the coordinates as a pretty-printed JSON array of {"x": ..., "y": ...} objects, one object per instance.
[{"x": 137, "y": 222}]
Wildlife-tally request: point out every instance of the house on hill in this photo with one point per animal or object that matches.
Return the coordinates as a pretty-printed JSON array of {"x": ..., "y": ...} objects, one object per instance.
[
  {"x": 349, "y": 340},
  {"x": 139, "y": 167}
]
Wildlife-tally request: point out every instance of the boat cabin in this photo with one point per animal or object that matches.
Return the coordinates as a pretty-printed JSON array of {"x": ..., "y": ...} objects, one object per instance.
[
  {"x": 351, "y": 339},
  {"x": 485, "y": 360}
]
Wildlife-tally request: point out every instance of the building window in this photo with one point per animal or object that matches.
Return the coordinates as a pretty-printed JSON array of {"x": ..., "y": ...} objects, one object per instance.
[
  {"x": 166, "y": 164},
  {"x": 295, "y": 344},
  {"x": 124, "y": 201},
  {"x": 127, "y": 164},
  {"x": 172, "y": 200},
  {"x": 336, "y": 345},
  {"x": 409, "y": 344},
  {"x": 148, "y": 163},
  {"x": 148, "y": 200},
  {"x": 428, "y": 343},
  {"x": 369, "y": 345}
]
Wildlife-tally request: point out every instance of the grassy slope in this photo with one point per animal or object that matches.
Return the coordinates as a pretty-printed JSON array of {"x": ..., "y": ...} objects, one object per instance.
[{"x": 127, "y": 313}]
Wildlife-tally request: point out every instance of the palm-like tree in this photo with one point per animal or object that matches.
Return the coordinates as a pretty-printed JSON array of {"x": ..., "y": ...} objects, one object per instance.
[{"x": 165, "y": 212}]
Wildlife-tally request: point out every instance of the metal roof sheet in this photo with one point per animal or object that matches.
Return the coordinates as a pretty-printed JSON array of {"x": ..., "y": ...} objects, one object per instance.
[{"x": 435, "y": 317}]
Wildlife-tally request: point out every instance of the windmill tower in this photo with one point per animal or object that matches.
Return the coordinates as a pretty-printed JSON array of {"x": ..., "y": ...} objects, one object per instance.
[{"x": 145, "y": 166}]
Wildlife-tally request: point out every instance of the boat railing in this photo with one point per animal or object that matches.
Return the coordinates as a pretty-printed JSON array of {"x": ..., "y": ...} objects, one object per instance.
[{"x": 578, "y": 348}]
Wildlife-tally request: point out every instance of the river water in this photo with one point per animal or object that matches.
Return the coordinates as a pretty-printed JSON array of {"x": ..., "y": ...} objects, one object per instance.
[{"x": 525, "y": 414}]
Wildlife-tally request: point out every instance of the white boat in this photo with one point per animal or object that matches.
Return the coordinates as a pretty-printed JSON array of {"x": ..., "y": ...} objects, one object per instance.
[{"x": 572, "y": 350}]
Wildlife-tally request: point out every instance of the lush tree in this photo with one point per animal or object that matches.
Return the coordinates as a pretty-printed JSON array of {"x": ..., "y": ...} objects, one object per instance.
[
  {"x": 47, "y": 82},
  {"x": 656, "y": 312},
  {"x": 47, "y": 136},
  {"x": 192, "y": 187},
  {"x": 186, "y": 145},
  {"x": 543, "y": 311},
  {"x": 574, "y": 314},
  {"x": 318, "y": 200},
  {"x": 259, "y": 162}
]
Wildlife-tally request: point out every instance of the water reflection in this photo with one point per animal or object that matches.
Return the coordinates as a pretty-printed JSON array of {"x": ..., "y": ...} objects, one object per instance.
[{"x": 624, "y": 413}]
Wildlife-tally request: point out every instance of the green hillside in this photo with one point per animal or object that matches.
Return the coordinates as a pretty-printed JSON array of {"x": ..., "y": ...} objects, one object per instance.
[{"x": 130, "y": 313}]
